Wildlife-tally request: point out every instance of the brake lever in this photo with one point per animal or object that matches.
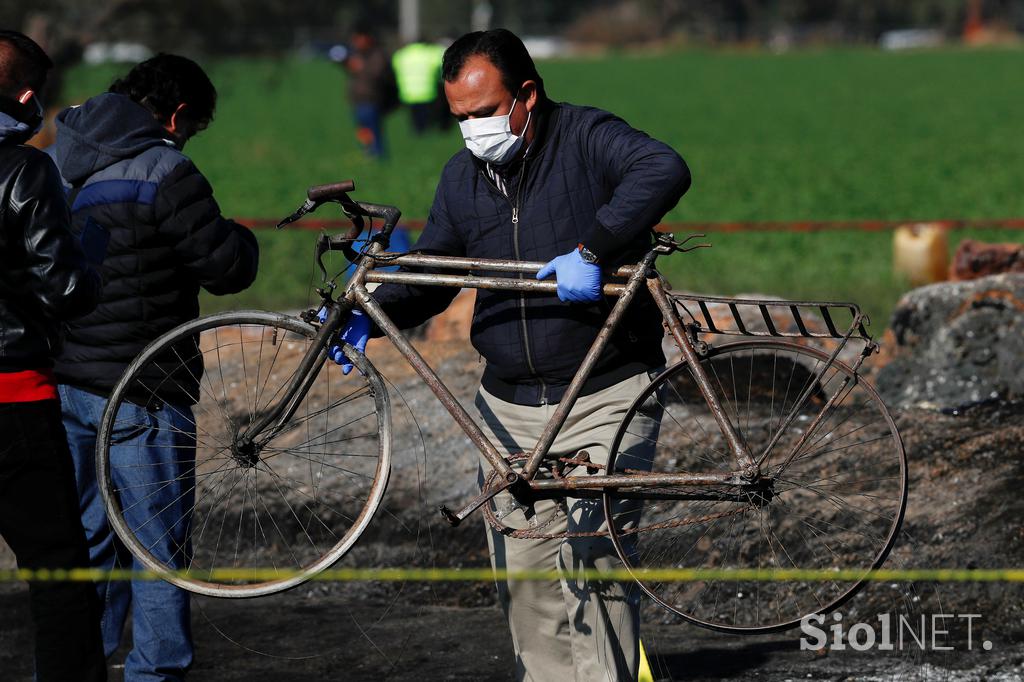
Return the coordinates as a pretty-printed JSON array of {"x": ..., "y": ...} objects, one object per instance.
[
  {"x": 679, "y": 246},
  {"x": 323, "y": 245},
  {"x": 694, "y": 248},
  {"x": 307, "y": 206}
]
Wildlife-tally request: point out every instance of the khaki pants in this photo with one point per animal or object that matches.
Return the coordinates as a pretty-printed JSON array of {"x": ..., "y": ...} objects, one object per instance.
[{"x": 568, "y": 629}]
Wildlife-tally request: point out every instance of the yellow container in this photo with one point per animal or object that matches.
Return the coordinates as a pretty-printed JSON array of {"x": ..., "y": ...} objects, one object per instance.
[
  {"x": 644, "y": 674},
  {"x": 920, "y": 253}
]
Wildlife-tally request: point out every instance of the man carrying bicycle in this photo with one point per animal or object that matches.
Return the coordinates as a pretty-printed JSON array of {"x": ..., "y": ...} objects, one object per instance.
[{"x": 580, "y": 189}]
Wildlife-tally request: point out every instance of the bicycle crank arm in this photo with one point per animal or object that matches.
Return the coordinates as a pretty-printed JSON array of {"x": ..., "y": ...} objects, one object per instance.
[{"x": 455, "y": 518}]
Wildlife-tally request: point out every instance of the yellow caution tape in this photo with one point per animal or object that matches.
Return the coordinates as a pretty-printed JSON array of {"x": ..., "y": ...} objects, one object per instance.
[{"x": 648, "y": 575}]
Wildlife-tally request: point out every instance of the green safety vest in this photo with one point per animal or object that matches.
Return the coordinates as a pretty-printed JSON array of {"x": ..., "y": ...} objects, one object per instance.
[{"x": 418, "y": 71}]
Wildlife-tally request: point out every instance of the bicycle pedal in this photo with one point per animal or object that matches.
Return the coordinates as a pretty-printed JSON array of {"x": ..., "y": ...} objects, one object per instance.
[
  {"x": 583, "y": 458},
  {"x": 451, "y": 517}
]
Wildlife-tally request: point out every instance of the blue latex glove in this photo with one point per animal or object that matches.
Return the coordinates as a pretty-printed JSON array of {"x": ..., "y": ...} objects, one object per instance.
[
  {"x": 356, "y": 332},
  {"x": 578, "y": 280}
]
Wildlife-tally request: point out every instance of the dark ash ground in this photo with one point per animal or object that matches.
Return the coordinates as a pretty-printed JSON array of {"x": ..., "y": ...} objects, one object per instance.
[{"x": 965, "y": 511}]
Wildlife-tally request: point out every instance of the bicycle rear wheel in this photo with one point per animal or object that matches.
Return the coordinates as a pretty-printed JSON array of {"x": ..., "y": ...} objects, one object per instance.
[
  {"x": 192, "y": 502},
  {"x": 837, "y": 505}
]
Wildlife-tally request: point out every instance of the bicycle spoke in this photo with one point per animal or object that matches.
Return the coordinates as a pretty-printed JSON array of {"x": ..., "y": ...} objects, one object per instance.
[
  {"x": 216, "y": 500},
  {"x": 336, "y": 428},
  {"x": 725, "y": 457},
  {"x": 836, "y": 505},
  {"x": 298, "y": 490},
  {"x": 197, "y": 540}
]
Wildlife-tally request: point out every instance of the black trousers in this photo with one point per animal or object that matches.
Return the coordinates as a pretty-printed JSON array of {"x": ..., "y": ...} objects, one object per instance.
[{"x": 39, "y": 519}]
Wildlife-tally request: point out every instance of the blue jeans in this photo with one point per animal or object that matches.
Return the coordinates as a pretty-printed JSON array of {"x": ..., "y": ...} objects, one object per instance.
[
  {"x": 147, "y": 446},
  {"x": 368, "y": 129}
]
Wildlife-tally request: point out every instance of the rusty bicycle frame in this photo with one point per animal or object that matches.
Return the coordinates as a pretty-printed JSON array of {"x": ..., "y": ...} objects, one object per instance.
[{"x": 750, "y": 467}]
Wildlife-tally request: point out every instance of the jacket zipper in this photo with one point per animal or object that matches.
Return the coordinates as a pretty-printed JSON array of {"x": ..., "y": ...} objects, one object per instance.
[{"x": 522, "y": 296}]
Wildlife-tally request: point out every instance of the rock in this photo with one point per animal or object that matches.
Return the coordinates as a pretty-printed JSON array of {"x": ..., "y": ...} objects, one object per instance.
[
  {"x": 957, "y": 344},
  {"x": 974, "y": 259}
]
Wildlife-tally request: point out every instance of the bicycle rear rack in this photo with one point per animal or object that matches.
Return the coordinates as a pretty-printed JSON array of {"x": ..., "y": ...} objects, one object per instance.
[{"x": 780, "y": 318}]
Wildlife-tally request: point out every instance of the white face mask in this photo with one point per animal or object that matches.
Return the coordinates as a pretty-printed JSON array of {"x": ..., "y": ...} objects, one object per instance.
[{"x": 490, "y": 139}]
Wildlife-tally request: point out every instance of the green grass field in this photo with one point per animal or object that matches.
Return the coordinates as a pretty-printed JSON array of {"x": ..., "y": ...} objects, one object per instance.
[{"x": 838, "y": 134}]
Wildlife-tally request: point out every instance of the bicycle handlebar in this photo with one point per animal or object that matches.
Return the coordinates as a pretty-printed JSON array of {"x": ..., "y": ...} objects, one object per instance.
[
  {"x": 389, "y": 214},
  {"x": 338, "y": 191},
  {"x": 333, "y": 191},
  {"x": 356, "y": 210}
]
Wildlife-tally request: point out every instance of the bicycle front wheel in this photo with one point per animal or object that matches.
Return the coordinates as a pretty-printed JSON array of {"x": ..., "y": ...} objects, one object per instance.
[
  {"x": 831, "y": 497},
  {"x": 221, "y": 511}
]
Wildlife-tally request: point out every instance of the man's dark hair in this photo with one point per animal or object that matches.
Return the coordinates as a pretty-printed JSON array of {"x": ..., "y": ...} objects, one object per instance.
[
  {"x": 163, "y": 82},
  {"x": 501, "y": 47},
  {"x": 23, "y": 64}
]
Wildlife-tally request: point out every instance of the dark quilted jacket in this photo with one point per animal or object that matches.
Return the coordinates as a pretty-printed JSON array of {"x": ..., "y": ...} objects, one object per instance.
[
  {"x": 167, "y": 239},
  {"x": 588, "y": 177}
]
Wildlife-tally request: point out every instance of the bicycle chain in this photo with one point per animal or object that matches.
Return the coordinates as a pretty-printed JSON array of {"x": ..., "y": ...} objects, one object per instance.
[{"x": 536, "y": 534}]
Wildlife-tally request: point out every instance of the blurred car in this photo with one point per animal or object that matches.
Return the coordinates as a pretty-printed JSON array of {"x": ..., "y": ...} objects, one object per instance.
[
  {"x": 115, "y": 53},
  {"x": 908, "y": 39}
]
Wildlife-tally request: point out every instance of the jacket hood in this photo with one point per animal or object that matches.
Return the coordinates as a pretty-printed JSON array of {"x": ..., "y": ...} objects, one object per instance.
[
  {"x": 102, "y": 131},
  {"x": 12, "y": 130}
]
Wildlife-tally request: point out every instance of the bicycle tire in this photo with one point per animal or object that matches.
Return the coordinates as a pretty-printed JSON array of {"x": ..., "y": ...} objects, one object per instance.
[
  {"x": 301, "y": 501},
  {"x": 839, "y": 504}
]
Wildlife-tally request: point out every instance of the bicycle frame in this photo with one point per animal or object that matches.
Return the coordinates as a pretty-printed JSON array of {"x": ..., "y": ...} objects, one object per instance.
[
  {"x": 525, "y": 483},
  {"x": 638, "y": 277},
  {"x": 286, "y": 437}
]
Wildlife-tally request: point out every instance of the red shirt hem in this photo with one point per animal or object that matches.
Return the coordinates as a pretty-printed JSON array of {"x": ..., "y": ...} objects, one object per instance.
[{"x": 27, "y": 386}]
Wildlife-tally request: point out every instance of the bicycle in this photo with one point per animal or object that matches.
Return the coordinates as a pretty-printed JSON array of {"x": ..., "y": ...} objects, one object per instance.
[{"x": 772, "y": 453}]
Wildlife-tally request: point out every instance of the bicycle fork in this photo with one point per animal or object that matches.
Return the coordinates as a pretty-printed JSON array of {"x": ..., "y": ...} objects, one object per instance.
[{"x": 283, "y": 410}]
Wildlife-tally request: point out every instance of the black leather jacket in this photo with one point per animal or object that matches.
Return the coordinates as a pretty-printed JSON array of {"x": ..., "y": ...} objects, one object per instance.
[{"x": 44, "y": 277}]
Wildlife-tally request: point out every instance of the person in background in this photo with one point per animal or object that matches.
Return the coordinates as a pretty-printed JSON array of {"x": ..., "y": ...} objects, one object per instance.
[
  {"x": 371, "y": 88},
  {"x": 418, "y": 72},
  {"x": 45, "y": 280},
  {"x": 121, "y": 154}
]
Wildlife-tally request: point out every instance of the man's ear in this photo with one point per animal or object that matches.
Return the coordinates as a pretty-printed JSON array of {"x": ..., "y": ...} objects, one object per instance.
[
  {"x": 172, "y": 125},
  {"x": 25, "y": 95},
  {"x": 529, "y": 88}
]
